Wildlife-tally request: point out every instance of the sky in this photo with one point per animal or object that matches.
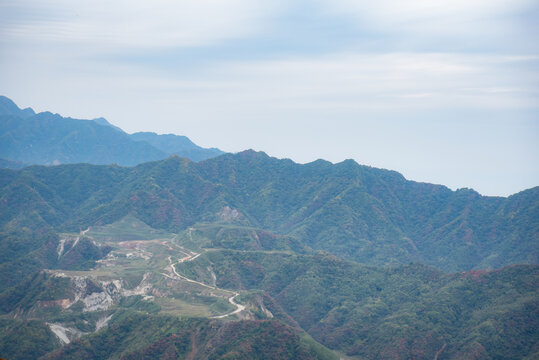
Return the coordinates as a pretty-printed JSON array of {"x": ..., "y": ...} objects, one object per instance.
[{"x": 443, "y": 91}]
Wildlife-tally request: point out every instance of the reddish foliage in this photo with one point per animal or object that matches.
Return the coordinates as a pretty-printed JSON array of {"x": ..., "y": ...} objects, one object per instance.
[{"x": 477, "y": 275}]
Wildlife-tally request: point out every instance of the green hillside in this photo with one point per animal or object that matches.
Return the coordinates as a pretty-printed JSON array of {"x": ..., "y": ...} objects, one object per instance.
[
  {"x": 364, "y": 214},
  {"x": 245, "y": 256},
  {"x": 137, "y": 336},
  {"x": 408, "y": 311}
]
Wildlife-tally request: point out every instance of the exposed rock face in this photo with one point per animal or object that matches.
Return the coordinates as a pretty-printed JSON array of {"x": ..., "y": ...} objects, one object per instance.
[
  {"x": 97, "y": 301},
  {"x": 65, "y": 334},
  {"x": 229, "y": 214},
  {"x": 96, "y": 296},
  {"x": 143, "y": 288},
  {"x": 84, "y": 290},
  {"x": 102, "y": 322}
]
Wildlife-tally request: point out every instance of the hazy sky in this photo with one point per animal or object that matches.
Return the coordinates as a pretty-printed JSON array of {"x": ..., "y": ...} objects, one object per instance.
[{"x": 443, "y": 91}]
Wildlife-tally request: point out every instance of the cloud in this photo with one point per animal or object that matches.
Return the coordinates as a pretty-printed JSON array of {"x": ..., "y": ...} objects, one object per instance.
[
  {"x": 103, "y": 27},
  {"x": 331, "y": 79},
  {"x": 133, "y": 24},
  {"x": 433, "y": 15},
  {"x": 344, "y": 83},
  {"x": 381, "y": 82},
  {"x": 445, "y": 24}
]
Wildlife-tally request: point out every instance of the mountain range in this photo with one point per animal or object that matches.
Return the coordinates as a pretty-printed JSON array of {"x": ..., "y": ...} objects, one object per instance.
[
  {"x": 50, "y": 139},
  {"x": 369, "y": 215},
  {"x": 245, "y": 256}
]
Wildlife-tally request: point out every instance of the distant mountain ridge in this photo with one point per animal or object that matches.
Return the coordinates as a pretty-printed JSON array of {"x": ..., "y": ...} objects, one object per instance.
[
  {"x": 8, "y": 107},
  {"x": 369, "y": 215},
  {"x": 10, "y": 164},
  {"x": 108, "y": 262},
  {"x": 177, "y": 145},
  {"x": 50, "y": 139}
]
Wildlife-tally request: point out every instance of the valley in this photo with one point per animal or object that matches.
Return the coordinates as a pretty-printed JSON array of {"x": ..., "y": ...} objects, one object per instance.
[
  {"x": 248, "y": 256},
  {"x": 139, "y": 274},
  {"x": 343, "y": 305},
  {"x": 269, "y": 180},
  {"x": 137, "y": 256}
]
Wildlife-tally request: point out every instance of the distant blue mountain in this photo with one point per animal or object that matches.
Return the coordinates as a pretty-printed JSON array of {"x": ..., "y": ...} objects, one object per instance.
[
  {"x": 8, "y": 107},
  {"x": 10, "y": 164},
  {"x": 103, "y": 121},
  {"x": 177, "y": 145},
  {"x": 48, "y": 139}
]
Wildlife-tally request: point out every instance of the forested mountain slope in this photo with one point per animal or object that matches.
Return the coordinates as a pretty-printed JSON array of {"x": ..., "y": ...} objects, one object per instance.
[
  {"x": 247, "y": 256},
  {"x": 136, "y": 336},
  {"x": 365, "y": 214},
  {"x": 411, "y": 311}
]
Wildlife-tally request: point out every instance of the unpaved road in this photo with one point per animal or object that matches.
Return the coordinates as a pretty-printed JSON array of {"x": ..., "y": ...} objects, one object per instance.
[
  {"x": 63, "y": 240},
  {"x": 239, "y": 307},
  {"x": 82, "y": 233}
]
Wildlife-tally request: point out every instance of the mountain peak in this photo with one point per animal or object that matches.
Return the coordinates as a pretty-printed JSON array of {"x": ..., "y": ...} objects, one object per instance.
[
  {"x": 177, "y": 145},
  {"x": 8, "y": 107},
  {"x": 348, "y": 162},
  {"x": 47, "y": 138},
  {"x": 253, "y": 154},
  {"x": 104, "y": 122}
]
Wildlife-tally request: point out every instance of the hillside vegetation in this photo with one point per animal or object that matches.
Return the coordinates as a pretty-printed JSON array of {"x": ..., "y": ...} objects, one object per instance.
[
  {"x": 137, "y": 336},
  {"x": 244, "y": 256},
  {"x": 360, "y": 213},
  {"x": 409, "y": 311}
]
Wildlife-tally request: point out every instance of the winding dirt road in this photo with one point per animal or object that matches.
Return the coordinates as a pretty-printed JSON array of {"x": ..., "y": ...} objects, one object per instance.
[
  {"x": 63, "y": 240},
  {"x": 192, "y": 257}
]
